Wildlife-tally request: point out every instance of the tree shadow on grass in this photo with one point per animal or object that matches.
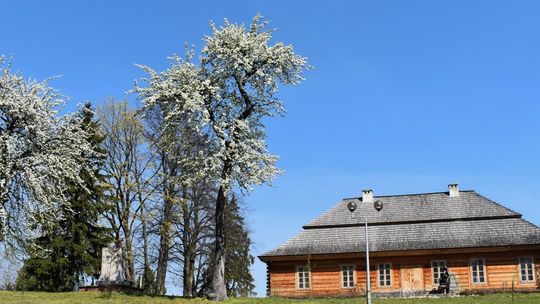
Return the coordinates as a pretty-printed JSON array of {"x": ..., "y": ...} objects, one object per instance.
[{"x": 109, "y": 294}]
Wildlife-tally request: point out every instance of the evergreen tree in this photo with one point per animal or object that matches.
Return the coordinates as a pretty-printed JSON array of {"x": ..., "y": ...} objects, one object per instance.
[
  {"x": 148, "y": 281},
  {"x": 238, "y": 278},
  {"x": 71, "y": 248}
]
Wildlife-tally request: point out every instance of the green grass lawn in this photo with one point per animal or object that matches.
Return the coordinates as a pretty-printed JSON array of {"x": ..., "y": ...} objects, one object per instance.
[{"x": 7, "y": 297}]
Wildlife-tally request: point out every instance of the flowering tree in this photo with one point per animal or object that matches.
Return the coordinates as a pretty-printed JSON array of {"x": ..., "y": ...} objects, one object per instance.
[
  {"x": 40, "y": 152},
  {"x": 226, "y": 95}
]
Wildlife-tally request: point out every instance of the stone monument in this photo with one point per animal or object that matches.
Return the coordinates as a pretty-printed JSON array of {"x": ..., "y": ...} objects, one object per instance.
[
  {"x": 114, "y": 275},
  {"x": 113, "y": 268}
]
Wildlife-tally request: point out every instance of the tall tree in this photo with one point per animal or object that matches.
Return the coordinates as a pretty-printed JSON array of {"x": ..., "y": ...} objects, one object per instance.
[
  {"x": 195, "y": 230},
  {"x": 227, "y": 95},
  {"x": 128, "y": 168},
  {"x": 176, "y": 178},
  {"x": 148, "y": 277},
  {"x": 168, "y": 152},
  {"x": 71, "y": 249},
  {"x": 40, "y": 152},
  {"x": 165, "y": 149}
]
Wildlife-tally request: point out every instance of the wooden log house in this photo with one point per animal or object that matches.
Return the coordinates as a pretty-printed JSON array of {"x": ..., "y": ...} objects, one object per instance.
[{"x": 484, "y": 245}]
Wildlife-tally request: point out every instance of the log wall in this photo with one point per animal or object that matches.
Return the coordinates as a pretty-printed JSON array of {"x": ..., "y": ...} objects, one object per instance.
[{"x": 501, "y": 269}]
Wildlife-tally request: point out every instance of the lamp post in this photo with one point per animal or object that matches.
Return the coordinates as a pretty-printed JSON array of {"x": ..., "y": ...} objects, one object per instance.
[{"x": 378, "y": 205}]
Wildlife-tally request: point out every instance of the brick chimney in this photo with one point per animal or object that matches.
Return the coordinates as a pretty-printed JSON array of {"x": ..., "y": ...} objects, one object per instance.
[
  {"x": 367, "y": 196},
  {"x": 453, "y": 190}
]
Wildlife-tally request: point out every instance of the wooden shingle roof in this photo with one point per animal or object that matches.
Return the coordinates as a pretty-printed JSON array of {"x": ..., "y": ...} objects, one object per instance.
[{"x": 413, "y": 222}]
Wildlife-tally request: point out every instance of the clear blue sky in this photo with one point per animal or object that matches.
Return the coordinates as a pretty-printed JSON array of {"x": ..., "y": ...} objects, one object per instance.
[{"x": 406, "y": 97}]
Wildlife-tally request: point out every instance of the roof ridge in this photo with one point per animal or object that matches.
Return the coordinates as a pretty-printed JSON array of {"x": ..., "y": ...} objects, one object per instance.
[
  {"x": 440, "y": 220},
  {"x": 408, "y": 194}
]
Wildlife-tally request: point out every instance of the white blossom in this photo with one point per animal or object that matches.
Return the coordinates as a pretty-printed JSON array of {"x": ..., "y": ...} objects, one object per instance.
[
  {"x": 40, "y": 151},
  {"x": 226, "y": 95}
]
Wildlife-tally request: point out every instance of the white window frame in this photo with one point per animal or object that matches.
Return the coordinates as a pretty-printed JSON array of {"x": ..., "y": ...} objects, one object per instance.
[
  {"x": 484, "y": 268},
  {"x": 433, "y": 279},
  {"x": 531, "y": 269},
  {"x": 379, "y": 275},
  {"x": 303, "y": 269},
  {"x": 341, "y": 267}
]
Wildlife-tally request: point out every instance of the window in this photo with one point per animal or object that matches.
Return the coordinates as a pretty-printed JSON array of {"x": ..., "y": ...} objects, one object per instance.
[
  {"x": 303, "y": 275},
  {"x": 437, "y": 270},
  {"x": 347, "y": 276},
  {"x": 478, "y": 271},
  {"x": 526, "y": 269},
  {"x": 384, "y": 275}
]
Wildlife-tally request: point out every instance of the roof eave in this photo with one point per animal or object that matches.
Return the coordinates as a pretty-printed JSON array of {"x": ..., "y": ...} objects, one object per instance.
[{"x": 270, "y": 258}]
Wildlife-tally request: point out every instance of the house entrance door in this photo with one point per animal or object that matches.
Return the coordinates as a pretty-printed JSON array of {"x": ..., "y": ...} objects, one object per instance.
[{"x": 412, "y": 279}]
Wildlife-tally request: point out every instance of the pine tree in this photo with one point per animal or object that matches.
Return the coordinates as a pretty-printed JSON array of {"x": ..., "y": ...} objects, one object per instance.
[
  {"x": 72, "y": 247},
  {"x": 238, "y": 279},
  {"x": 238, "y": 259}
]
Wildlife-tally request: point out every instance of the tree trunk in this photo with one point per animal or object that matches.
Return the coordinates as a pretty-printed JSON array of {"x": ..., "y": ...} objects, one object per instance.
[
  {"x": 146, "y": 260},
  {"x": 164, "y": 246},
  {"x": 3, "y": 191},
  {"x": 219, "y": 289},
  {"x": 189, "y": 273},
  {"x": 129, "y": 259},
  {"x": 189, "y": 253},
  {"x": 3, "y": 213}
]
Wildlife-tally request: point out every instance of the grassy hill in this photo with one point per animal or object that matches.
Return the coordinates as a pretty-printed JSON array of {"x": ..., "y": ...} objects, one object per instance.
[{"x": 7, "y": 297}]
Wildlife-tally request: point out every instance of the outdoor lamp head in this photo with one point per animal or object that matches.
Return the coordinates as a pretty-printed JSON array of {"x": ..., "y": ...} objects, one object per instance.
[
  {"x": 378, "y": 205},
  {"x": 351, "y": 206}
]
